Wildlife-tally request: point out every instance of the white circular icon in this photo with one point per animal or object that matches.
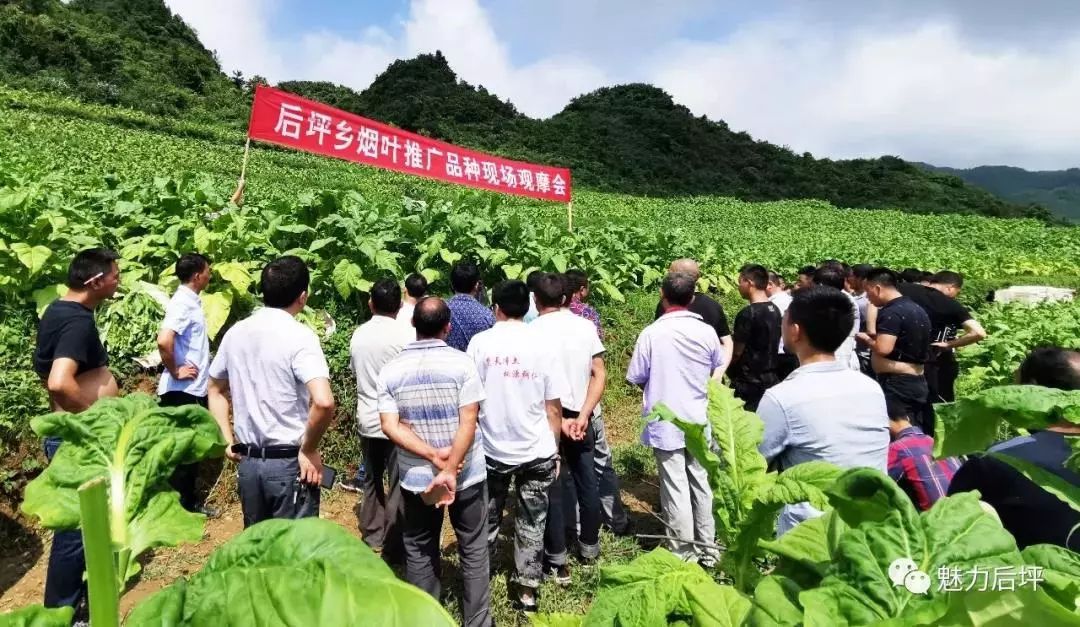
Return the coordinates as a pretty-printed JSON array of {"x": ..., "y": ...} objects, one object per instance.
[
  {"x": 900, "y": 568},
  {"x": 917, "y": 582}
]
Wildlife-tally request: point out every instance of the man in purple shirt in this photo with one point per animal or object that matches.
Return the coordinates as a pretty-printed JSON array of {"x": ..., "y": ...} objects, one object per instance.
[
  {"x": 467, "y": 316},
  {"x": 673, "y": 360}
]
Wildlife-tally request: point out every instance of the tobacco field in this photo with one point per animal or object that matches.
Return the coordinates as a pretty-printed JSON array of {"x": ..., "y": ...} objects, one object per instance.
[{"x": 74, "y": 176}]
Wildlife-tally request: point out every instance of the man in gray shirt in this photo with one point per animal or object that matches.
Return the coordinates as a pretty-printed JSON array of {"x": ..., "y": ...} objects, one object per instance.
[{"x": 824, "y": 410}]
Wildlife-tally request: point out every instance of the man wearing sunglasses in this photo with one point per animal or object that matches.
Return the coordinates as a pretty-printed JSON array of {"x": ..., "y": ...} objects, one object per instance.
[{"x": 73, "y": 365}]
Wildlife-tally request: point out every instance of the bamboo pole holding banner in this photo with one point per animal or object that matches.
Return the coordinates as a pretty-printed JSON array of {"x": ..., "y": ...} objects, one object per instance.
[
  {"x": 238, "y": 195},
  {"x": 243, "y": 166},
  {"x": 570, "y": 216}
]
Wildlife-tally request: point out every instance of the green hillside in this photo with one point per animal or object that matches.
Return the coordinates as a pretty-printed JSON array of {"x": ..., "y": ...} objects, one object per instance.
[
  {"x": 630, "y": 138},
  {"x": 1057, "y": 190}
]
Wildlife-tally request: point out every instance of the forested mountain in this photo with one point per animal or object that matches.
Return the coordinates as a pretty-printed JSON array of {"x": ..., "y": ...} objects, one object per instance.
[
  {"x": 627, "y": 138},
  {"x": 1057, "y": 190}
]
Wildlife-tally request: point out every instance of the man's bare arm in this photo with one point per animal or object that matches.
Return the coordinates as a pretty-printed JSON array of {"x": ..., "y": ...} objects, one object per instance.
[
  {"x": 402, "y": 435},
  {"x": 320, "y": 415},
  {"x": 218, "y": 404},
  {"x": 973, "y": 332},
  {"x": 727, "y": 349},
  {"x": 64, "y": 389}
]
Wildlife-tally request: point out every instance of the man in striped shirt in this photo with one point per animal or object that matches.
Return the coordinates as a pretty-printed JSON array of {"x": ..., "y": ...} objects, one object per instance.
[
  {"x": 429, "y": 400},
  {"x": 912, "y": 464}
]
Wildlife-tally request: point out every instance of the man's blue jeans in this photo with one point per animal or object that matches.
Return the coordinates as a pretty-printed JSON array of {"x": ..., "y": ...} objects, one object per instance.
[{"x": 64, "y": 585}]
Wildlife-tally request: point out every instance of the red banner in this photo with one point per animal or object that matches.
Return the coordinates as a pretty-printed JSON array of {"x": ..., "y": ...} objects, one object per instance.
[{"x": 285, "y": 119}]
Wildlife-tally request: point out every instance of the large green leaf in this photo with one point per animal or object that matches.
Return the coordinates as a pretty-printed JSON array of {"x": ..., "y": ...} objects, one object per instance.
[
  {"x": 808, "y": 548},
  {"x": 996, "y": 608},
  {"x": 955, "y": 533},
  {"x": 1060, "y": 572},
  {"x": 37, "y": 616},
  {"x": 216, "y": 307},
  {"x": 742, "y": 472},
  {"x": 776, "y": 602},
  {"x": 135, "y": 445},
  {"x": 46, "y": 295},
  {"x": 644, "y": 592},
  {"x": 348, "y": 279},
  {"x": 971, "y": 424},
  {"x": 292, "y": 573},
  {"x": 235, "y": 274},
  {"x": 713, "y": 605},
  {"x": 33, "y": 257}
]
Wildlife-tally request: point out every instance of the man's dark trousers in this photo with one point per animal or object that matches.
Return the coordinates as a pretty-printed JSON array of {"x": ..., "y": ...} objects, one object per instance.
[
  {"x": 421, "y": 533},
  {"x": 381, "y": 509},
  {"x": 185, "y": 477},
  {"x": 64, "y": 585}
]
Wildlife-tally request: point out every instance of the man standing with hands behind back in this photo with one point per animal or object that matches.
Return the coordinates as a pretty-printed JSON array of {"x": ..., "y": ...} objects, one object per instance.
[
  {"x": 185, "y": 353},
  {"x": 429, "y": 404},
  {"x": 73, "y": 365},
  {"x": 282, "y": 400}
]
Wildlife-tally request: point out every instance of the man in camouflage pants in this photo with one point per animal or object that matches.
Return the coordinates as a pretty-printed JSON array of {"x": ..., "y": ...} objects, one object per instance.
[{"x": 521, "y": 421}]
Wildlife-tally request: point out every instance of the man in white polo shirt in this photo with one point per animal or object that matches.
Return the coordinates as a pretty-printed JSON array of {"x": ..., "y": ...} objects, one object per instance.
[
  {"x": 185, "y": 354},
  {"x": 280, "y": 384},
  {"x": 580, "y": 355},
  {"x": 373, "y": 344},
  {"x": 521, "y": 422}
]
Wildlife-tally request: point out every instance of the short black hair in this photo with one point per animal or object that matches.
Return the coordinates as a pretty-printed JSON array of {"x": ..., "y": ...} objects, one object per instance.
[
  {"x": 831, "y": 276},
  {"x": 283, "y": 280},
  {"x": 464, "y": 276},
  {"x": 775, "y": 278},
  {"x": 190, "y": 264},
  {"x": 948, "y": 277},
  {"x": 825, "y": 315},
  {"x": 861, "y": 270},
  {"x": 882, "y": 276},
  {"x": 550, "y": 290},
  {"x": 678, "y": 288},
  {"x": 1052, "y": 367},
  {"x": 756, "y": 274},
  {"x": 533, "y": 279},
  {"x": 575, "y": 280},
  {"x": 88, "y": 264},
  {"x": 512, "y": 298},
  {"x": 430, "y": 317},
  {"x": 912, "y": 275},
  {"x": 416, "y": 285},
  {"x": 807, "y": 270},
  {"x": 386, "y": 296}
]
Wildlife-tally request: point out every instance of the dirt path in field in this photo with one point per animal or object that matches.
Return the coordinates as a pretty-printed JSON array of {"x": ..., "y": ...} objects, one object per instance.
[{"x": 23, "y": 565}]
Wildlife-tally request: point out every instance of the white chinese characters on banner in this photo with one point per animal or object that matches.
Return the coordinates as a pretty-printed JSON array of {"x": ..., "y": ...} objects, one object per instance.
[
  {"x": 289, "y": 119},
  {"x": 368, "y": 142},
  {"x": 319, "y": 124},
  {"x": 344, "y": 136},
  {"x": 386, "y": 148}
]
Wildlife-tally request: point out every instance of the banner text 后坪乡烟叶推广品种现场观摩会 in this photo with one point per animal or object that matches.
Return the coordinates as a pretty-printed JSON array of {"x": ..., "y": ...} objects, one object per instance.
[{"x": 285, "y": 119}]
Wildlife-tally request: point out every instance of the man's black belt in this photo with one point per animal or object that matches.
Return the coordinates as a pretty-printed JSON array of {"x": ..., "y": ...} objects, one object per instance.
[{"x": 265, "y": 452}]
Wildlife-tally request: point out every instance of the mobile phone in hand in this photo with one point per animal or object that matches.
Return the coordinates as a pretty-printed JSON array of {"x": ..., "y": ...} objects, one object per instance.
[{"x": 329, "y": 475}]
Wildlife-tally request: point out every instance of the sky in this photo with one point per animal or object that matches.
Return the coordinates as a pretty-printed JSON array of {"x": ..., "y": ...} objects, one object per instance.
[{"x": 951, "y": 82}]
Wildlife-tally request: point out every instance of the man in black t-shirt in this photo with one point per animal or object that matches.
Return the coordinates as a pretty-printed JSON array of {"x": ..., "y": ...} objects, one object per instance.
[
  {"x": 73, "y": 366},
  {"x": 1028, "y": 511},
  {"x": 757, "y": 339},
  {"x": 946, "y": 317},
  {"x": 899, "y": 349},
  {"x": 710, "y": 311}
]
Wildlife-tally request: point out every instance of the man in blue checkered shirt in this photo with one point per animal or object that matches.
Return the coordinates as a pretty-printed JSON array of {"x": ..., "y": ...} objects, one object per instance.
[{"x": 429, "y": 401}]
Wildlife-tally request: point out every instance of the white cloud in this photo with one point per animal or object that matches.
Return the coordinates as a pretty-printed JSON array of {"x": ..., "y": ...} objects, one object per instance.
[
  {"x": 921, "y": 87},
  {"x": 923, "y": 94},
  {"x": 239, "y": 31}
]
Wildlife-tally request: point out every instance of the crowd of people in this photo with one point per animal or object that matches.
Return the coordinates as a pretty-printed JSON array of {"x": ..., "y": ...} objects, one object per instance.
[{"x": 462, "y": 406}]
